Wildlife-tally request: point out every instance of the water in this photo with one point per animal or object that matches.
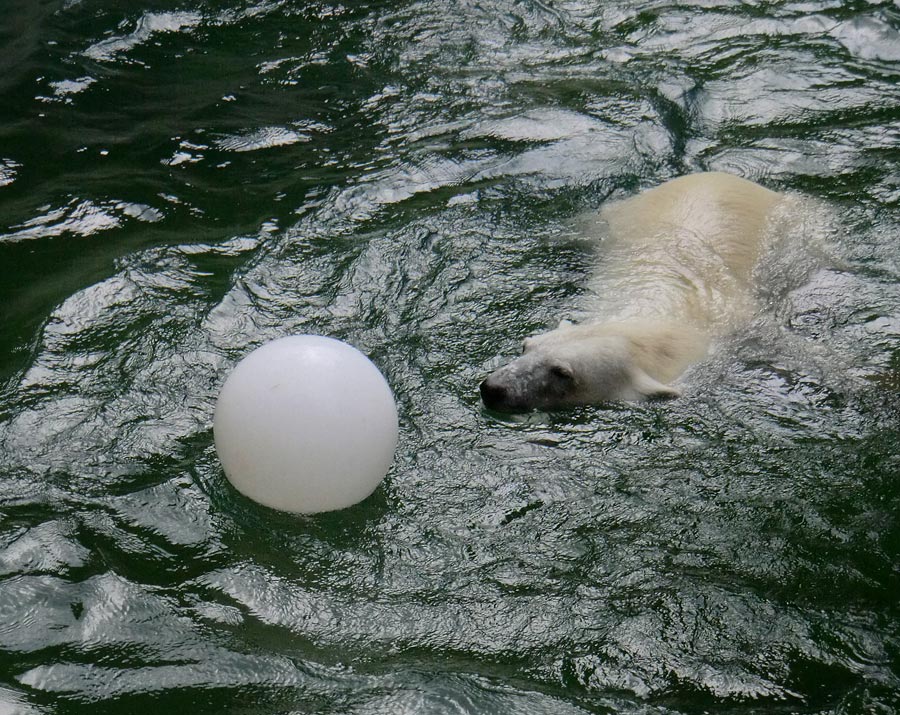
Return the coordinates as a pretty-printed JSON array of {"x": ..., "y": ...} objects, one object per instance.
[{"x": 181, "y": 182}]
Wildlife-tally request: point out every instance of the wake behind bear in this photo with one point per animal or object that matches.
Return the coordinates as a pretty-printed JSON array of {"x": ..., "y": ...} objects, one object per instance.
[{"x": 677, "y": 271}]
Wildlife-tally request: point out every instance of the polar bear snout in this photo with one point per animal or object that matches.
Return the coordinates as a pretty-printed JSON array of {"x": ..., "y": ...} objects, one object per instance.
[
  {"x": 532, "y": 381},
  {"x": 496, "y": 396},
  {"x": 513, "y": 387}
]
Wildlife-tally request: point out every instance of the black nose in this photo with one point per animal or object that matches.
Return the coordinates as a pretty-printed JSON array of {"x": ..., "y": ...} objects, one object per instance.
[{"x": 492, "y": 395}]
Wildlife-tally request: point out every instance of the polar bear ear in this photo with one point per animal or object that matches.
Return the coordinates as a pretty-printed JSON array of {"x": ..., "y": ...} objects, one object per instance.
[{"x": 651, "y": 389}]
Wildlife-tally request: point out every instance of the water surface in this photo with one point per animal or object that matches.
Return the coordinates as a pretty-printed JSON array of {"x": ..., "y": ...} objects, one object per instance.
[{"x": 181, "y": 182}]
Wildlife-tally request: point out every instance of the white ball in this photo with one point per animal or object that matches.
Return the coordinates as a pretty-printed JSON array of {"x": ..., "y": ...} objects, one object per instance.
[{"x": 305, "y": 424}]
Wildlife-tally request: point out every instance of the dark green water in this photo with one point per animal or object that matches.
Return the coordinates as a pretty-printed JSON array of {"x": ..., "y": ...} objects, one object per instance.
[{"x": 181, "y": 182}]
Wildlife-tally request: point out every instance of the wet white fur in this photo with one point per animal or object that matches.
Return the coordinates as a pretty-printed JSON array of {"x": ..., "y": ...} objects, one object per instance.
[{"x": 676, "y": 270}]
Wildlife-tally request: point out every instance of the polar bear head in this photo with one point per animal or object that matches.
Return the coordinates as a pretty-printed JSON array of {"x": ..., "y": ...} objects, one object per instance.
[{"x": 570, "y": 366}]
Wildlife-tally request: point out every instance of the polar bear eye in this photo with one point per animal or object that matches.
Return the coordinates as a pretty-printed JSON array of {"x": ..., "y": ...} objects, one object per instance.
[{"x": 563, "y": 372}]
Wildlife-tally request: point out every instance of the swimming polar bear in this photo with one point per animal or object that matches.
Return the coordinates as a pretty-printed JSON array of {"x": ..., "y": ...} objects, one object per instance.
[{"x": 677, "y": 272}]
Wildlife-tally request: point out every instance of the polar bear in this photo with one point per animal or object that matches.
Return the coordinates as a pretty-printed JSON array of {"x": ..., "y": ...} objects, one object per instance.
[{"x": 676, "y": 272}]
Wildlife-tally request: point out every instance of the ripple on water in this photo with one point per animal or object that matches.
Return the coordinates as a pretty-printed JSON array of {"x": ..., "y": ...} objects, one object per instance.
[
  {"x": 147, "y": 26},
  {"x": 404, "y": 177},
  {"x": 8, "y": 171},
  {"x": 264, "y": 138},
  {"x": 81, "y": 218}
]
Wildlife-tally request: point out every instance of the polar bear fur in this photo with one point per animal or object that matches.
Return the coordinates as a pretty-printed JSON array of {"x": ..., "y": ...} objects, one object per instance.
[{"x": 676, "y": 272}]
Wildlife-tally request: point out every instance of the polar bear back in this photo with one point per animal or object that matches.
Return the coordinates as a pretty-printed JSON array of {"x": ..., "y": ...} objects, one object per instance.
[
  {"x": 684, "y": 250},
  {"x": 713, "y": 211}
]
